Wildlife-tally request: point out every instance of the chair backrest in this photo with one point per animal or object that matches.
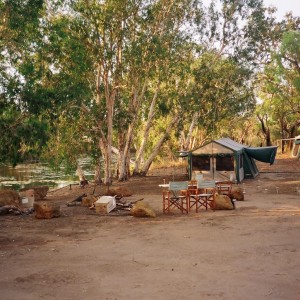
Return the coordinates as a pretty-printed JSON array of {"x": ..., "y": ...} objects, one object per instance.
[
  {"x": 178, "y": 185},
  {"x": 199, "y": 176},
  {"x": 206, "y": 184}
]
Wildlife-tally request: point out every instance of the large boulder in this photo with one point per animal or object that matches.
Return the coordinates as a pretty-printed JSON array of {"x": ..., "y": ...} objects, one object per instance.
[
  {"x": 46, "y": 210},
  {"x": 88, "y": 200},
  {"x": 119, "y": 192},
  {"x": 27, "y": 198},
  {"x": 223, "y": 202},
  {"x": 142, "y": 210},
  {"x": 39, "y": 192},
  {"x": 237, "y": 193},
  {"x": 9, "y": 197}
]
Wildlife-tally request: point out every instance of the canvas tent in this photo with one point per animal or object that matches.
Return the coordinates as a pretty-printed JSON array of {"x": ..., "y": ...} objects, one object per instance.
[{"x": 226, "y": 159}]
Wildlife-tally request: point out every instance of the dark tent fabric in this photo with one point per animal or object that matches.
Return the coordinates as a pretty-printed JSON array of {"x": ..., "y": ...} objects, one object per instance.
[{"x": 263, "y": 154}]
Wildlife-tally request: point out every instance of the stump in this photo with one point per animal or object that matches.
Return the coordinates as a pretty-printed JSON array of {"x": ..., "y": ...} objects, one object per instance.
[{"x": 46, "y": 210}]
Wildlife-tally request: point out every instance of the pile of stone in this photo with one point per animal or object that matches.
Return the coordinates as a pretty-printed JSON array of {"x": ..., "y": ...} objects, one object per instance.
[
  {"x": 27, "y": 201},
  {"x": 121, "y": 205},
  {"x": 32, "y": 200}
]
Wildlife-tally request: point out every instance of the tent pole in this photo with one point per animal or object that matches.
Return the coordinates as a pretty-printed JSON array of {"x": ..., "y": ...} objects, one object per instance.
[{"x": 212, "y": 159}]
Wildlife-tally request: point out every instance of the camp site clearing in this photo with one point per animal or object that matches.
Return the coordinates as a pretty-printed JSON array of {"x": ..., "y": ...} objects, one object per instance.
[{"x": 248, "y": 253}]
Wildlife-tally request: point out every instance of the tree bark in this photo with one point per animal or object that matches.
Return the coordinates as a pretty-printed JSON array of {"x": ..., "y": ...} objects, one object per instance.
[
  {"x": 156, "y": 149},
  {"x": 141, "y": 150},
  {"x": 265, "y": 130},
  {"x": 186, "y": 141},
  {"x": 124, "y": 166}
]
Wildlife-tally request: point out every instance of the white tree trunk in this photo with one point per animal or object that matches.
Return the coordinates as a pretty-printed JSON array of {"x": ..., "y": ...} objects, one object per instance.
[
  {"x": 140, "y": 153},
  {"x": 187, "y": 142},
  {"x": 157, "y": 147},
  {"x": 124, "y": 165}
]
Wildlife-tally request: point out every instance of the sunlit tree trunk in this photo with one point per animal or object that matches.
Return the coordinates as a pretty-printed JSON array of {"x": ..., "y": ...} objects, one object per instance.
[
  {"x": 186, "y": 141},
  {"x": 141, "y": 150},
  {"x": 155, "y": 151}
]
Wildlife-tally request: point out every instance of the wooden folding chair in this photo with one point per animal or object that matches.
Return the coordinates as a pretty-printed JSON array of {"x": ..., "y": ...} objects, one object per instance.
[
  {"x": 204, "y": 195},
  {"x": 224, "y": 187},
  {"x": 176, "y": 197}
]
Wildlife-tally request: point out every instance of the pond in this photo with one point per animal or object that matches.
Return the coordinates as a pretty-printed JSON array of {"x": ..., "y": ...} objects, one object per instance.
[{"x": 27, "y": 175}]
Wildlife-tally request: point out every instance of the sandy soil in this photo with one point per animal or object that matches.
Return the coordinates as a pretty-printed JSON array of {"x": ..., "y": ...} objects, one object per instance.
[{"x": 249, "y": 253}]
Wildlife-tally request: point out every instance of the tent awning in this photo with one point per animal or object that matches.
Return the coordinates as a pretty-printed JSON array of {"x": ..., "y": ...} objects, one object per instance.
[{"x": 263, "y": 154}]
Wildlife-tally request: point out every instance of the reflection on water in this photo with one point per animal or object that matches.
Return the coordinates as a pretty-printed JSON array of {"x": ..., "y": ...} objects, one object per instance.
[{"x": 26, "y": 175}]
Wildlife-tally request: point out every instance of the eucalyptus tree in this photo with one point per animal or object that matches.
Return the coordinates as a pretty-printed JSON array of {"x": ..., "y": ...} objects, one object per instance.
[
  {"x": 280, "y": 88},
  {"x": 23, "y": 131},
  {"x": 169, "y": 102},
  {"x": 245, "y": 33},
  {"x": 131, "y": 45},
  {"x": 220, "y": 92},
  {"x": 108, "y": 29},
  {"x": 243, "y": 30},
  {"x": 156, "y": 52},
  {"x": 233, "y": 37}
]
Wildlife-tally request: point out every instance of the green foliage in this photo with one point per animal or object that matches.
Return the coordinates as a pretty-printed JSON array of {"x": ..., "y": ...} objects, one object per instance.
[
  {"x": 64, "y": 64},
  {"x": 221, "y": 91},
  {"x": 279, "y": 88},
  {"x": 23, "y": 136},
  {"x": 68, "y": 143}
]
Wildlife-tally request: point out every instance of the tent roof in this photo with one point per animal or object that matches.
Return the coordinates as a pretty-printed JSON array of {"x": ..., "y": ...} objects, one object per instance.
[
  {"x": 225, "y": 145},
  {"x": 231, "y": 144}
]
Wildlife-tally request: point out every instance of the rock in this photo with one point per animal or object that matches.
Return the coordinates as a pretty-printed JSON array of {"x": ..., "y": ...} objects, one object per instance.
[
  {"x": 40, "y": 192},
  {"x": 142, "y": 210},
  {"x": 223, "y": 202},
  {"x": 27, "y": 198},
  {"x": 9, "y": 197},
  {"x": 26, "y": 193},
  {"x": 46, "y": 210},
  {"x": 237, "y": 193},
  {"x": 119, "y": 192},
  {"x": 88, "y": 200}
]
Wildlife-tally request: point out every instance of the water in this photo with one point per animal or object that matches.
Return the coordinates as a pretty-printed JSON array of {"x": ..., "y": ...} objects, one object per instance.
[{"x": 27, "y": 175}]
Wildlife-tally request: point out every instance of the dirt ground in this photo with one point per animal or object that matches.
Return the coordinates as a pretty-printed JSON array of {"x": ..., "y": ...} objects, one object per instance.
[{"x": 252, "y": 252}]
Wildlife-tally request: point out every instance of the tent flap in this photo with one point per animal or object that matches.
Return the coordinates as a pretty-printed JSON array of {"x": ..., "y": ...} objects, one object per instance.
[{"x": 263, "y": 154}]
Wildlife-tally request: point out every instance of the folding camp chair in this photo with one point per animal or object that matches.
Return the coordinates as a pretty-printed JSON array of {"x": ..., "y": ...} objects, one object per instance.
[
  {"x": 224, "y": 187},
  {"x": 199, "y": 176},
  {"x": 204, "y": 195},
  {"x": 176, "y": 197}
]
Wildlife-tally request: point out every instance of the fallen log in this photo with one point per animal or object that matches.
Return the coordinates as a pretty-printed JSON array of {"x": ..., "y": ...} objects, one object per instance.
[
  {"x": 133, "y": 202},
  {"x": 126, "y": 206},
  {"x": 76, "y": 201},
  {"x": 121, "y": 206},
  {"x": 14, "y": 210}
]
